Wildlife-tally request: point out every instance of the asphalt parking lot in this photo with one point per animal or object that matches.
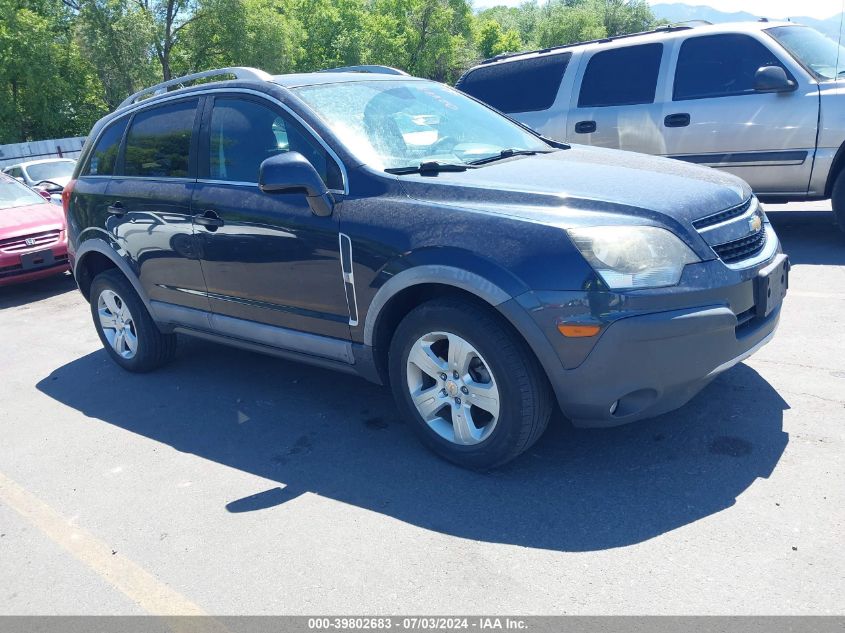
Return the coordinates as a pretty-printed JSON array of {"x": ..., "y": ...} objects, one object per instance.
[{"x": 233, "y": 483}]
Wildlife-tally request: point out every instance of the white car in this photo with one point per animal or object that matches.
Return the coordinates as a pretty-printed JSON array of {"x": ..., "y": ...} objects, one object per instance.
[{"x": 51, "y": 170}]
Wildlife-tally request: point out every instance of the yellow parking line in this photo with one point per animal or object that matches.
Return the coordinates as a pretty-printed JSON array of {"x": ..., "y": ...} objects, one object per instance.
[{"x": 136, "y": 583}]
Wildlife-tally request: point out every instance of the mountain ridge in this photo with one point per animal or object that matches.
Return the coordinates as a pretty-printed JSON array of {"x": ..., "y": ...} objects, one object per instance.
[{"x": 677, "y": 12}]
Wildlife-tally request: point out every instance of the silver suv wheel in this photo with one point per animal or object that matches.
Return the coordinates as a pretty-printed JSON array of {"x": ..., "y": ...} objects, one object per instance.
[
  {"x": 453, "y": 388},
  {"x": 117, "y": 324}
]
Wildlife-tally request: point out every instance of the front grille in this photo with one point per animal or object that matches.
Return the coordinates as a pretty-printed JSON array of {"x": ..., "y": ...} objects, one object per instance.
[
  {"x": 38, "y": 240},
  {"x": 722, "y": 216},
  {"x": 743, "y": 248}
]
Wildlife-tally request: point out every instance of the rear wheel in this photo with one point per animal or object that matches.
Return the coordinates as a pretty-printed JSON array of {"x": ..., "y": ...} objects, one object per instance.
[
  {"x": 837, "y": 200},
  {"x": 474, "y": 392},
  {"x": 124, "y": 326}
]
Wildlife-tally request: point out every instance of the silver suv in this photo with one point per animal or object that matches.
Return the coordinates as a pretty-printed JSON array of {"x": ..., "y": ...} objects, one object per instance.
[{"x": 762, "y": 100}]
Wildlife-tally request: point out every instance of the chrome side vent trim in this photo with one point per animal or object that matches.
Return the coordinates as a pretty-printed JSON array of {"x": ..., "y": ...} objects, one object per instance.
[{"x": 348, "y": 277}]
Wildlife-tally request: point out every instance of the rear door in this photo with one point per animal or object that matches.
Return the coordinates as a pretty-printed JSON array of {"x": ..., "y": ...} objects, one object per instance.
[
  {"x": 267, "y": 259},
  {"x": 614, "y": 105},
  {"x": 91, "y": 200},
  {"x": 149, "y": 211},
  {"x": 716, "y": 118}
]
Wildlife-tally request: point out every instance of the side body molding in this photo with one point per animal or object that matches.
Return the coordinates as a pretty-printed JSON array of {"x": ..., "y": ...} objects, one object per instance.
[
  {"x": 431, "y": 273},
  {"x": 98, "y": 245}
]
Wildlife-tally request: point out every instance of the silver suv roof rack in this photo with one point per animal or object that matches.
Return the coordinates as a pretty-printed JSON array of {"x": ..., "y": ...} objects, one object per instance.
[{"x": 240, "y": 72}]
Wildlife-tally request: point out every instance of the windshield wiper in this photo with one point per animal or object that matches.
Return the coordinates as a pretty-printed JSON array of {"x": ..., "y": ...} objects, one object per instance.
[
  {"x": 507, "y": 153},
  {"x": 428, "y": 168}
]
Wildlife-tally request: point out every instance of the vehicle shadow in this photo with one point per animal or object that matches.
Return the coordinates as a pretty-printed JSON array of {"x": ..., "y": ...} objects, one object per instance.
[
  {"x": 809, "y": 237},
  {"x": 30, "y": 291},
  {"x": 316, "y": 431}
]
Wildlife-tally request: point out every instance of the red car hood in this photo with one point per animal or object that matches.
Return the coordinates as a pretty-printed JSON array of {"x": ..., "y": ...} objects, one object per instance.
[{"x": 33, "y": 218}]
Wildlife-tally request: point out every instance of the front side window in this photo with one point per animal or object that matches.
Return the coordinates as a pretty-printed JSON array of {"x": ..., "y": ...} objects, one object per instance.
[
  {"x": 159, "y": 141},
  {"x": 819, "y": 54},
  {"x": 720, "y": 66},
  {"x": 621, "y": 76},
  {"x": 245, "y": 133},
  {"x": 14, "y": 194},
  {"x": 104, "y": 156},
  {"x": 390, "y": 124},
  {"x": 524, "y": 85}
]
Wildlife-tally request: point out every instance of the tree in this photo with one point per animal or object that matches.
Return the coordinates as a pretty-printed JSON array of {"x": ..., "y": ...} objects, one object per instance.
[
  {"x": 117, "y": 37},
  {"x": 261, "y": 33},
  {"x": 47, "y": 89},
  {"x": 168, "y": 19},
  {"x": 493, "y": 39}
]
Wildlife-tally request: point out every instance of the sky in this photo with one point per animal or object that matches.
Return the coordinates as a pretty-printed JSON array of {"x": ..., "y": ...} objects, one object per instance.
[{"x": 770, "y": 8}]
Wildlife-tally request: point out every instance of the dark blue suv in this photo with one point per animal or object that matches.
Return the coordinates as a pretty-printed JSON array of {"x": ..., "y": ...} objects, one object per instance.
[{"x": 397, "y": 229}]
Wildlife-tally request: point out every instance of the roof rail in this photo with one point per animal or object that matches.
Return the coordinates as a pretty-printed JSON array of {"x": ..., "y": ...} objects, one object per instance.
[
  {"x": 365, "y": 68},
  {"x": 240, "y": 72},
  {"x": 666, "y": 28}
]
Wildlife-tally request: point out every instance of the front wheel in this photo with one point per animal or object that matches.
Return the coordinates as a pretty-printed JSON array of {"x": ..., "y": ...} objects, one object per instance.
[{"x": 475, "y": 393}]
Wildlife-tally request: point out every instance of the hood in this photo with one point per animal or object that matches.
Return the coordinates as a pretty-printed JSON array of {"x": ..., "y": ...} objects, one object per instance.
[
  {"x": 32, "y": 218},
  {"x": 585, "y": 186}
]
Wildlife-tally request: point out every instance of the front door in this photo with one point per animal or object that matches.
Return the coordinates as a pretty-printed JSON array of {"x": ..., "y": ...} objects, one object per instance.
[
  {"x": 615, "y": 103},
  {"x": 267, "y": 259},
  {"x": 716, "y": 118}
]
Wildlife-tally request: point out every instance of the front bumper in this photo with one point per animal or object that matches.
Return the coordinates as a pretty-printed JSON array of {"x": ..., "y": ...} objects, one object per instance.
[
  {"x": 648, "y": 365},
  {"x": 53, "y": 262},
  {"x": 657, "y": 349}
]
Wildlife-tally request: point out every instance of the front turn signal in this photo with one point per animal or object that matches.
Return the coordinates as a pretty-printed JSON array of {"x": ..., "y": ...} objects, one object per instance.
[{"x": 578, "y": 330}]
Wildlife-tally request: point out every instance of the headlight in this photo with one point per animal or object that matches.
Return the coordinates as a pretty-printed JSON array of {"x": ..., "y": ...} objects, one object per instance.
[{"x": 633, "y": 256}]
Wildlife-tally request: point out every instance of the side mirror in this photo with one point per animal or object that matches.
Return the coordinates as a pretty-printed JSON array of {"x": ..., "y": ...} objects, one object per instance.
[
  {"x": 290, "y": 172},
  {"x": 773, "y": 79}
]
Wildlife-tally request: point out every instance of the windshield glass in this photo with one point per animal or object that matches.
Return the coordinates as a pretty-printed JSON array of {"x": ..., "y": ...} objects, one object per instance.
[
  {"x": 49, "y": 171},
  {"x": 816, "y": 52},
  {"x": 394, "y": 124},
  {"x": 14, "y": 194}
]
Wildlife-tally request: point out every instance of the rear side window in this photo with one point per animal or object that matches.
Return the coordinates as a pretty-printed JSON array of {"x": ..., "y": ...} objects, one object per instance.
[
  {"x": 525, "y": 85},
  {"x": 719, "y": 66},
  {"x": 245, "y": 133},
  {"x": 104, "y": 156},
  {"x": 159, "y": 141},
  {"x": 621, "y": 76}
]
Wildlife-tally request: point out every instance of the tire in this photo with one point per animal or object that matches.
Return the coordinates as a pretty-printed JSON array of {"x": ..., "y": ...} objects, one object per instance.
[
  {"x": 498, "y": 362},
  {"x": 114, "y": 300},
  {"x": 837, "y": 200}
]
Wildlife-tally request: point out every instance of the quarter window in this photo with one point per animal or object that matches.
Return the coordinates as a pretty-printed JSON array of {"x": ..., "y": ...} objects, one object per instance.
[
  {"x": 245, "y": 133},
  {"x": 104, "y": 156},
  {"x": 621, "y": 76},
  {"x": 525, "y": 85},
  {"x": 719, "y": 66},
  {"x": 159, "y": 141}
]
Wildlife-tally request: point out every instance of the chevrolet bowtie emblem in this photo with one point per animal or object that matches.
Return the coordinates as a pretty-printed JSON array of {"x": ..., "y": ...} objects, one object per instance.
[{"x": 755, "y": 223}]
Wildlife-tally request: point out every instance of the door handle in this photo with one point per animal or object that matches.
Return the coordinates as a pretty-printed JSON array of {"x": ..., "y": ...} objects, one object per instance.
[
  {"x": 680, "y": 119},
  {"x": 116, "y": 209},
  {"x": 209, "y": 219},
  {"x": 585, "y": 127}
]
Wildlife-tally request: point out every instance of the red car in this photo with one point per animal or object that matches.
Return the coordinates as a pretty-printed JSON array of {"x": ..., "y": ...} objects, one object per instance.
[{"x": 33, "y": 235}]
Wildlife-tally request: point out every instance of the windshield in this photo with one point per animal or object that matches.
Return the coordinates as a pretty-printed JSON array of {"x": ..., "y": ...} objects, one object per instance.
[
  {"x": 817, "y": 53},
  {"x": 14, "y": 194},
  {"x": 395, "y": 124},
  {"x": 48, "y": 171}
]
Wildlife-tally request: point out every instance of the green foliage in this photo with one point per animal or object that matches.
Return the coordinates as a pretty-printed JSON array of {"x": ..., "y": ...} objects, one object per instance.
[{"x": 64, "y": 63}]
